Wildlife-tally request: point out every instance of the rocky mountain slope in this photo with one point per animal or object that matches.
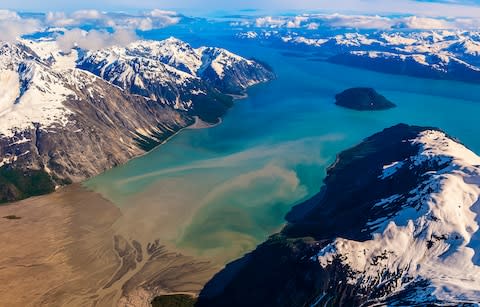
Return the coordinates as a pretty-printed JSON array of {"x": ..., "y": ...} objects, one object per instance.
[
  {"x": 67, "y": 117},
  {"x": 450, "y": 55},
  {"x": 175, "y": 74},
  {"x": 396, "y": 224}
]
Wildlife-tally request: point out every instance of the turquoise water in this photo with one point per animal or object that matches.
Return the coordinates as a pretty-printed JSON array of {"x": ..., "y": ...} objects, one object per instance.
[{"x": 220, "y": 191}]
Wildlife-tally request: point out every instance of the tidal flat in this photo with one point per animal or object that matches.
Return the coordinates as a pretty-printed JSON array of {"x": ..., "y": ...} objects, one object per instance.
[{"x": 67, "y": 250}]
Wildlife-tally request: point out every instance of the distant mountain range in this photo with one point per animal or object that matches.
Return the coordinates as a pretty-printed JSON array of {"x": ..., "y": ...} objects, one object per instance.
[
  {"x": 68, "y": 116},
  {"x": 394, "y": 225},
  {"x": 453, "y": 55}
]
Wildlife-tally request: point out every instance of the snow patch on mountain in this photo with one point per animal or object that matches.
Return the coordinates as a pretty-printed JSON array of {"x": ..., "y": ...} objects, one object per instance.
[
  {"x": 37, "y": 78},
  {"x": 170, "y": 71},
  {"x": 220, "y": 60},
  {"x": 49, "y": 52},
  {"x": 390, "y": 169},
  {"x": 10, "y": 87},
  {"x": 32, "y": 94},
  {"x": 434, "y": 238},
  {"x": 170, "y": 51},
  {"x": 439, "y": 54}
]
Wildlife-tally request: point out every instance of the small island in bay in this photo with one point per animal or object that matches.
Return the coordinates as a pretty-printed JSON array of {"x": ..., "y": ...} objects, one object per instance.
[{"x": 363, "y": 99}]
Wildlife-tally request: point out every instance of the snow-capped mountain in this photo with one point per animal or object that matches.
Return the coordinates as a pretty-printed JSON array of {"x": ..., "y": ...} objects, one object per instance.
[
  {"x": 435, "y": 54},
  {"x": 72, "y": 116},
  {"x": 396, "y": 224},
  {"x": 33, "y": 92},
  {"x": 174, "y": 73}
]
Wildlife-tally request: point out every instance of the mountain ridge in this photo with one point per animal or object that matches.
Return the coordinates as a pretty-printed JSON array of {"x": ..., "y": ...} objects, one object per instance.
[
  {"x": 72, "y": 121},
  {"x": 450, "y": 55}
]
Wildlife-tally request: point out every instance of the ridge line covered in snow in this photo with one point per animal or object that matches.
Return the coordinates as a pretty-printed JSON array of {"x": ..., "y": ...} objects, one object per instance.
[
  {"x": 36, "y": 77},
  {"x": 434, "y": 237}
]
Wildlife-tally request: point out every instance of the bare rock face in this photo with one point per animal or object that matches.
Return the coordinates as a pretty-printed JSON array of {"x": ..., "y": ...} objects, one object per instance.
[{"x": 70, "y": 117}]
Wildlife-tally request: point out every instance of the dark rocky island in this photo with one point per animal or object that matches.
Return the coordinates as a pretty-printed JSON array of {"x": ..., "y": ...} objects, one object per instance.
[
  {"x": 363, "y": 99},
  {"x": 333, "y": 251}
]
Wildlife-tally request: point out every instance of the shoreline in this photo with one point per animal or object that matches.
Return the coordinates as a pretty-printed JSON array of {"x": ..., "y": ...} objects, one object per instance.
[
  {"x": 200, "y": 124},
  {"x": 69, "y": 209},
  {"x": 197, "y": 124},
  {"x": 197, "y": 121}
]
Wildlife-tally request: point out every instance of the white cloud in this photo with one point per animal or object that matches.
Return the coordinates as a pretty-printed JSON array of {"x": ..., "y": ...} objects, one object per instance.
[
  {"x": 143, "y": 24},
  {"x": 164, "y": 18},
  {"x": 160, "y": 13},
  {"x": 8, "y": 15},
  {"x": 467, "y": 23},
  {"x": 124, "y": 26},
  {"x": 13, "y": 26},
  {"x": 356, "y": 21},
  {"x": 270, "y": 22},
  {"x": 296, "y": 22},
  {"x": 145, "y": 21},
  {"x": 313, "y": 26},
  {"x": 94, "y": 39},
  {"x": 280, "y": 22},
  {"x": 88, "y": 15},
  {"x": 152, "y": 20},
  {"x": 316, "y": 21},
  {"x": 59, "y": 19},
  {"x": 423, "y": 23}
]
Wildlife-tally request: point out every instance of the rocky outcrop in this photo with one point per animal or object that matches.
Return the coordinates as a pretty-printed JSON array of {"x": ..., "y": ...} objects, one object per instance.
[
  {"x": 363, "y": 99},
  {"x": 394, "y": 224}
]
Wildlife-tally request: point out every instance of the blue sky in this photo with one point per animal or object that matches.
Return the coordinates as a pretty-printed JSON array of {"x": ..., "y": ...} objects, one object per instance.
[{"x": 422, "y": 7}]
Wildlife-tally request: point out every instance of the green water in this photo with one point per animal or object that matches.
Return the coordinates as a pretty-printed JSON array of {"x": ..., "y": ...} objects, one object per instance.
[{"x": 234, "y": 183}]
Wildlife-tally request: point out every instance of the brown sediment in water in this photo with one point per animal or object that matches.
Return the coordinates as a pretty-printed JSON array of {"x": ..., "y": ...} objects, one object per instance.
[
  {"x": 200, "y": 124},
  {"x": 69, "y": 249}
]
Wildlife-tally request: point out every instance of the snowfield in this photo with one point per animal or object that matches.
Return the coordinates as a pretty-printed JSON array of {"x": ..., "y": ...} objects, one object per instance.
[{"x": 32, "y": 94}]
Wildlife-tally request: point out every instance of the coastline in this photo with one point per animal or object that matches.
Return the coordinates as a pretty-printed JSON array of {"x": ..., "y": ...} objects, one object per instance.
[
  {"x": 86, "y": 226},
  {"x": 200, "y": 124},
  {"x": 90, "y": 235},
  {"x": 197, "y": 124}
]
